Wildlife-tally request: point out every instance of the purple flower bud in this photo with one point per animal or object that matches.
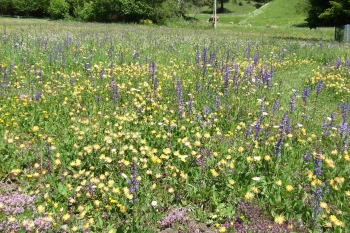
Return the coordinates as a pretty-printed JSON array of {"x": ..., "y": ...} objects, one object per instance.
[
  {"x": 337, "y": 63},
  {"x": 206, "y": 111},
  {"x": 319, "y": 87},
  {"x": 306, "y": 94}
]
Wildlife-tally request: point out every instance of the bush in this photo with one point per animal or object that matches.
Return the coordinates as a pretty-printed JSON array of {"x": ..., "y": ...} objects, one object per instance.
[
  {"x": 58, "y": 9},
  {"x": 85, "y": 13}
]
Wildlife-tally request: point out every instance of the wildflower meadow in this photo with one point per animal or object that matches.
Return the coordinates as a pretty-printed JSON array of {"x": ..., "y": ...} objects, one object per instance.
[{"x": 134, "y": 128}]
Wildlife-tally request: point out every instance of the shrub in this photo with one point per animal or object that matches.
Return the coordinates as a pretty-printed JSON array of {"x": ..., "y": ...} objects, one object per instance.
[{"x": 58, "y": 9}]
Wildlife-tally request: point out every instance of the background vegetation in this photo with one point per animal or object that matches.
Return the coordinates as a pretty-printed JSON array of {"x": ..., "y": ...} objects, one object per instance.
[
  {"x": 316, "y": 13},
  {"x": 144, "y": 128}
]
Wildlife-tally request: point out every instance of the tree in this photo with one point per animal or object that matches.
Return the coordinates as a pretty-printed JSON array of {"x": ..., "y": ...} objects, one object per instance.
[
  {"x": 25, "y": 7},
  {"x": 6, "y": 7},
  {"x": 338, "y": 13},
  {"x": 58, "y": 9},
  {"x": 219, "y": 2},
  {"x": 37, "y": 8},
  {"x": 326, "y": 13}
]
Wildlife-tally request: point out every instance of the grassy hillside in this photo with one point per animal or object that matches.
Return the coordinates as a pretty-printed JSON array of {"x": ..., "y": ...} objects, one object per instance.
[
  {"x": 233, "y": 12},
  {"x": 277, "y": 12}
]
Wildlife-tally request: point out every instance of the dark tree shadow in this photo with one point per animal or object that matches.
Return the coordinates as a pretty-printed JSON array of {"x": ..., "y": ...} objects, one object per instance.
[
  {"x": 218, "y": 10},
  {"x": 191, "y": 19},
  {"x": 258, "y": 5},
  {"x": 301, "y": 25}
]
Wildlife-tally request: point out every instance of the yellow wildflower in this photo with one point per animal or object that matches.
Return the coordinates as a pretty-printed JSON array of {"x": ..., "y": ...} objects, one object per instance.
[
  {"x": 279, "y": 219},
  {"x": 278, "y": 182},
  {"x": 214, "y": 172},
  {"x": 66, "y": 217},
  {"x": 249, "y": 196},
  {"x": 289, "y": 188}
]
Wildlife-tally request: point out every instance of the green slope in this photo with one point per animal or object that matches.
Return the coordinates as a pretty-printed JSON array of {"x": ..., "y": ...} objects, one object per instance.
[{"x": 277, "y": 12}]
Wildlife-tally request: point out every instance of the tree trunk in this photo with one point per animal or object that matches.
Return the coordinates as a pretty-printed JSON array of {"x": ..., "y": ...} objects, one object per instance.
[{"x": 222, "y": 7}]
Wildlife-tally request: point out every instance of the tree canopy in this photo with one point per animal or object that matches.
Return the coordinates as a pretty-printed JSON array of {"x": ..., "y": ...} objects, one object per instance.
[
  {"x": 100, "y": 10},
  {"x": 325, "y": 13}
]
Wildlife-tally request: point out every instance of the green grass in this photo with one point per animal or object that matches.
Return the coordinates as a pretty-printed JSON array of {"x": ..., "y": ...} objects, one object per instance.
[
  {"x": 184, "y": 118},
  {"x": 233, "y": 12},
  {"x": 277, "y": 13}
]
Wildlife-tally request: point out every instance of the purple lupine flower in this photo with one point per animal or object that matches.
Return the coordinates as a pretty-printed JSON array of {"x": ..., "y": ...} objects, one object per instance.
[
  {"x": 217, "y": 102},
  {"x": 134, "y": 182},
  {"x": 228, "y": 54},
  {"x": 111, "y": 52},
  {"x": 292, "y": 102},
  {"x": 87, "y": 66},
  {"x": 11, "y": 67},
  {"x": 226, "y": 79},
  {"x": 316, "y": 203},
  {"x": 204, "y": 70},
  {"x": 285, "y": 126},
  {"x": 190, "y": 104},
  {"x": 347, "y": 64},
  {"x": 198, "y": 58},
  {"x": 247, "y": 52},
  {"x": 318, "y": 166},
  {"x": 337, "y": 63},
  {"x": 37, "y": 96},
  {"x": 212, "y": 58},
  {"x": 248, "y": 132},
  {"x": 40, "y": 75},
  {"x": 206, "y": 111},
  {"x": 345, "y": 108},
  {"x": 152, "y": 70},
  {"x": 111, "y": 69},
  {"x": 235, "y": 76},
  {"x": 258, "y": 128},
  {"x": 278, "y": 146},
  {"x": 344, "y": 128},
  {"x": 199, "y": 118},
  {"x": 345, "y": 143},
  {"x": 275, "y": 106},
  {"x": 205, "y": 56},
  {"x": 155, "y": 85},
  {"x": 319, "y": 87},
  {"x": 248, "y": 71},
  {"x": 114, "y": 91},
  {"x": 306, "y": 94},
  {"x": 326, "y": 127},
  {"x": 102, "y": 73},
  {"x": 307, "y": 157},
  {"x": 256, "y": 57},
  {"x": 5, "y": 74}
]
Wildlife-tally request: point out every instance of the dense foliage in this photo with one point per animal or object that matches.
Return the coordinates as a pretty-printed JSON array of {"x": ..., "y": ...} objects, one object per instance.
[
  {"x": 109, "y": 10},
  {"x": 326, "y": 13},
  {"x": 98, "y": 10}
]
